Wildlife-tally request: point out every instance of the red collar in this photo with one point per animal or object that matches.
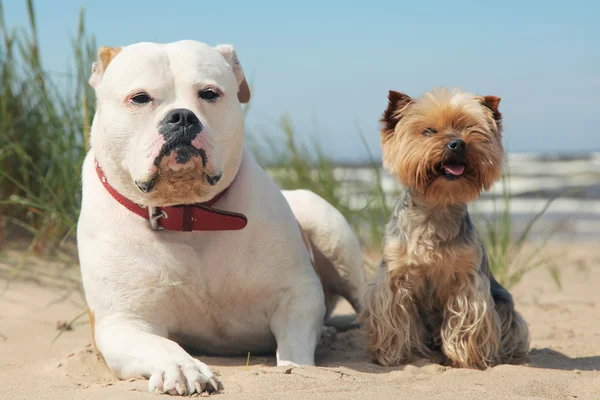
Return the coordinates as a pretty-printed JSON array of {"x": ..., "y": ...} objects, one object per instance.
[{"x": 183, "y": 218}]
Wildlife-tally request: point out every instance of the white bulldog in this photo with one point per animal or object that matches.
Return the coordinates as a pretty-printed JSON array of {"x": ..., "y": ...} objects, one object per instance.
[{"x": 162, "y": 267}]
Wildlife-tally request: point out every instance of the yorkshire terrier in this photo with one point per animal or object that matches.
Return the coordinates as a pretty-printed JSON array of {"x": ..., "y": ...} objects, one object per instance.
[{"x": 434, "y": 291}]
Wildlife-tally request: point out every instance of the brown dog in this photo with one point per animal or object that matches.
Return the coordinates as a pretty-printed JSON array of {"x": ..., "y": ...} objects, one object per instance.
[{"x": 434, "y": 290}]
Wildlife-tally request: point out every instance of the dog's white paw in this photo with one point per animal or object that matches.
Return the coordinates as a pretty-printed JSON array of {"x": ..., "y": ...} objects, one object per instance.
[
  {"x": 184, "y": 378},
  {"x": 285, "y": 363}
]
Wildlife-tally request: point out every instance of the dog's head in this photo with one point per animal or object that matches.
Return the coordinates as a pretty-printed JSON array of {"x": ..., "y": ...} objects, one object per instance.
[
  {"x": 169, "y": 126},
  {"x": 446, "y": 146}
]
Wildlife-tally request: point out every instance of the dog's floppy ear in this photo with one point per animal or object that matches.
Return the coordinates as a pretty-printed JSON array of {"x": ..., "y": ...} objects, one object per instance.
[
  {"x": 228, "y": 52},
  {"x": 397, "y": 102},
  {"x": 105, "y": 56},
  {"x": 492, "y": 103}
]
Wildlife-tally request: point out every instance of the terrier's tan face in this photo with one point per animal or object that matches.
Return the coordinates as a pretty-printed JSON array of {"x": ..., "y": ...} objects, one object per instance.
[{"x": 446, "y": 146}]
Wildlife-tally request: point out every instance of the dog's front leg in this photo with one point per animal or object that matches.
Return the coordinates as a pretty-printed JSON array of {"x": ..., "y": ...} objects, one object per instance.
[
  {"x": 394, "y": 330},
  {"x": 296, "y": 325},
  {"x": 132, "y": 347},
  {"x": 471, "y": 328}
]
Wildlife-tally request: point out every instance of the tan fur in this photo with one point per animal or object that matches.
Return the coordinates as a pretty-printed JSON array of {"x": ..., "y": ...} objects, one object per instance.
[
  {"x": 106, "y": 55},
  {"x": 471, "y": 329},
  {"x": 181, "y": 186},
  {"x": 394, "y": 330},
  {"x": 451, "y": 114},
  {"x": 433, "y": 289}
]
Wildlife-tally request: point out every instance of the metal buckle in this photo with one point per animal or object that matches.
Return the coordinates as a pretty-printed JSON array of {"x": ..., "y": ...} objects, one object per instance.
[{"x": 154, "y": 217}]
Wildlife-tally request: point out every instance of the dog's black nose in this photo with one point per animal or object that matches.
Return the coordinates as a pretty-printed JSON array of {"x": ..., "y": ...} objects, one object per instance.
[
  {"x": 457, "y": 146},
  {"x": 181, "y": 117},
  {"x": 180, "y": 124}
]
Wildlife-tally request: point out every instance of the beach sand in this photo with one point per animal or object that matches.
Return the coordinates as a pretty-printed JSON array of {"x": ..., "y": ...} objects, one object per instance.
[{"x": 564, "y": 361}]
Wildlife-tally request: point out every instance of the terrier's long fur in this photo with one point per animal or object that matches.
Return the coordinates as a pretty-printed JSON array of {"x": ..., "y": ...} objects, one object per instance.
[{"x": 434, "y": 290}]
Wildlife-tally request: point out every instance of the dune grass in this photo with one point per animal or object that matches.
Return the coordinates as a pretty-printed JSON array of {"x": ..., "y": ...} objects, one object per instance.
[
  {"x": 44, "y": 119},
  {"x": 511, "y": 253},
  {"x": 294, "y": 165},
  {"x": 44, "y": 127}
]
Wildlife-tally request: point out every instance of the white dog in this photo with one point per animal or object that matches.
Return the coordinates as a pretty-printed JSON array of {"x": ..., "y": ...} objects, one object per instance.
[{"x": 183, "y": 239}]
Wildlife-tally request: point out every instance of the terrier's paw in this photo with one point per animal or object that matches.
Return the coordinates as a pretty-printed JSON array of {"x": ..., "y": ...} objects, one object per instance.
[{"x": 184, "y": 378}]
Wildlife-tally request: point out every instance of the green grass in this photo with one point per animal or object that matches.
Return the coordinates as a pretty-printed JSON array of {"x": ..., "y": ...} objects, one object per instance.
[
  {"x": 512, "y": 254},
  {"x": 44, "y": 126},
  {"x": 296, "y": 166}
]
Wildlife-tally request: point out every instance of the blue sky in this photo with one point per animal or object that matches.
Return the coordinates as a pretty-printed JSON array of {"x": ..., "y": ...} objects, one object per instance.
[{"x": 329, "y": 64}]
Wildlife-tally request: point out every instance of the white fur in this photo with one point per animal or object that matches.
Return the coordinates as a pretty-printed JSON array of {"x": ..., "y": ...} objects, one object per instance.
[
  {"x": 227, "y": 292},
  {"x": 331, "y": 235}
]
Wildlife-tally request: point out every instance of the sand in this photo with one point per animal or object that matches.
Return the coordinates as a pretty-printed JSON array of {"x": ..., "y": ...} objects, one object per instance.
[{"x": 563, "y": 364}]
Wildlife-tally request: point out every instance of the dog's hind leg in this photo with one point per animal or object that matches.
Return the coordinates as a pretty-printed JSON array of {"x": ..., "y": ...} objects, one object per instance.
[
  {"x": 335, "y": 249},
  {"x": 297, "y": 323},
  {"x": 515, "y": 338}
]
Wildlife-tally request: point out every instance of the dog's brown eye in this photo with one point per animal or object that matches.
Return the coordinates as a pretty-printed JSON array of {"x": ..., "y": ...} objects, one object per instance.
[
  {"x": 208, "y": 94},
  {"x": 430, "y": 131},
  {"x": 141, "y": 98}
]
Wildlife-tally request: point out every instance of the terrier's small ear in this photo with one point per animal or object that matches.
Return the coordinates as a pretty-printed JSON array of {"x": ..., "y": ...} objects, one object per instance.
[
  {"x": 105, "y": 56},
  {"x": 492, "y": 103},
  {"x": 392, "y": 115}
]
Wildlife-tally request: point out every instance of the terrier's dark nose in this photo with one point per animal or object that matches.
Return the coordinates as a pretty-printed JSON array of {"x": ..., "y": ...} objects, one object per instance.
[
  {"x": 180, "y": 123},
  {"x": 457, "y": 146}
]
